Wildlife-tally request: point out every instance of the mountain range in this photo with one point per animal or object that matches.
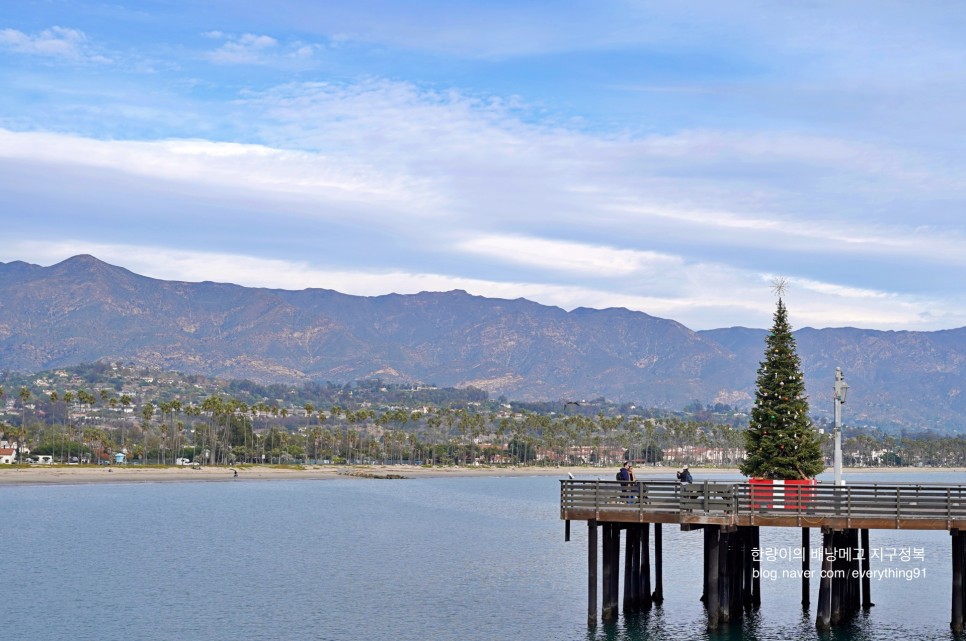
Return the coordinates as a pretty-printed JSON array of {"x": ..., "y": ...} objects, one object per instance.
[{"x": 84, "y": 310}]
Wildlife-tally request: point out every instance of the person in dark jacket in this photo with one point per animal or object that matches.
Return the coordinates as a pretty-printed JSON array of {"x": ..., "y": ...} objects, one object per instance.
[
  {"x": 685, "y": 475},
  {"x": 624, "y": 475}
]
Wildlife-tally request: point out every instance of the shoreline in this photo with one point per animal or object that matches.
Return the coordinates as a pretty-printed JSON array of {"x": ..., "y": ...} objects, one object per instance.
[{"x": 76, "y": 475}]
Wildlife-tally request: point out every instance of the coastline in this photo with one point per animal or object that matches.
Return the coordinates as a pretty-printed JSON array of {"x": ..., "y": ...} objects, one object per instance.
[{"x": 75, "y": 475}]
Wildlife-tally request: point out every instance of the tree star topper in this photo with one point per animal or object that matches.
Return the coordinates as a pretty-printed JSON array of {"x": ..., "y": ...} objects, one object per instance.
[{"x": 779, "y": 285}]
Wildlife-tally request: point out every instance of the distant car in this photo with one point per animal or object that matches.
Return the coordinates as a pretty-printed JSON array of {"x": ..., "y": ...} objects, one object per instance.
[{"x": 182, "y": 462}]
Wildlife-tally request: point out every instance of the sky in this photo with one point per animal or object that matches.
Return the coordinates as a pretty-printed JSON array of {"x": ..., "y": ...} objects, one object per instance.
[{"x": 670, "y": 158}]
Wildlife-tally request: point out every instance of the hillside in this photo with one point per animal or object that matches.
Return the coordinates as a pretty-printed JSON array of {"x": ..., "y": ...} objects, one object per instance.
[{"x": 84, "y": 310}]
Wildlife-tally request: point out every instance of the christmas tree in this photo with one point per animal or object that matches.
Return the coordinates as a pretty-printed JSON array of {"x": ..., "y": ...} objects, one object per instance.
[{"x": 780, "y": 441}]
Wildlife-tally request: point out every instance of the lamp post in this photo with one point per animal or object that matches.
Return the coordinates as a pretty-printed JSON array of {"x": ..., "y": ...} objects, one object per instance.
[{"x": 840, "y": 388}]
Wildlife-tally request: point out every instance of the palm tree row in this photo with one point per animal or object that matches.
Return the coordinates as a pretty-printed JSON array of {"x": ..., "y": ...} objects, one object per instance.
[{"x": 224, "y": 431}]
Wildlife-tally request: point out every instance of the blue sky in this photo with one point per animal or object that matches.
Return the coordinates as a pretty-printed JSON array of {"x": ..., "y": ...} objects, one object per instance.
[{"x": 672, "y": 158}]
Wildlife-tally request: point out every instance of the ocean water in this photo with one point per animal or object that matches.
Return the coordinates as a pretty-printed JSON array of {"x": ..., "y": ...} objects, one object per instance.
[{"x": 467, "y": 559}]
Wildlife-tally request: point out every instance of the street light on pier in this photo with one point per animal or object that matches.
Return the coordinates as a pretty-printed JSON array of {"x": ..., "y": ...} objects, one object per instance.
[{"x": 840, "y": 388}]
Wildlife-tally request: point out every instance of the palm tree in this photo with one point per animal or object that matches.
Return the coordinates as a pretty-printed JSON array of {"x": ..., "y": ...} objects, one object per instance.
[
  {"x": 125, "y": 401},
  {"x": 24, "y": 398},
  {"x": 147, "y": 413},
  {"x": 94, "y": 438},
  {"x": 68, "y": 399},
  {"x": 309, "y": 413},
  {"x": 53, "y": 405},
  {"x": 212, "y": 407}
]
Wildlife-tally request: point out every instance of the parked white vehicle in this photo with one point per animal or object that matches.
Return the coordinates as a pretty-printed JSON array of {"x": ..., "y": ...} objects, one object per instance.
[{"x": 182, "y": 462}]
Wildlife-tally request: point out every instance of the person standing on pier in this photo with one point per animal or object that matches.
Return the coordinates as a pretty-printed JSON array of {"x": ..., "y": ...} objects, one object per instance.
[
  {"x": 630, "y": 477},
  {"x": 685, "y": 475},
  {"x": 624, "y": 475}
]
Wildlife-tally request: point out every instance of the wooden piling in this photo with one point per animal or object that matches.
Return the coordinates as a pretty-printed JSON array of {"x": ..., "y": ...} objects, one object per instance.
[
  {"x": 632, "y": 569},
  {"x": 644, "y": 589},
  {"x": 711, "y": 602},
  {"x": 615, "y": 577},
  {"x": 854, "y": 574},
  {"x": 736, "y": 572},
  {"x": 956, "y": 622},
  {"x": 805, "y": 559},
  {"x": 747, "y": 564},
  {"x": 823, "y": 615},
  {"x": 724, "y": 576},
  {"x": 756, "y": 565},
  {"x": 658, "y": 596},
  {"x": 591, "y": 572},
  {"x": 706, "y": 532},
  {"x": 607, "y": 602},
  {"x": 836, "y": 614},
  {"x": 866, "y": 578}
]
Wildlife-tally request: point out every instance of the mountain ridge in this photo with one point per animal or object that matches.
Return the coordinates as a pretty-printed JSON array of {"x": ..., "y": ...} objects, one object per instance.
[{"x": 83, "y": 310}]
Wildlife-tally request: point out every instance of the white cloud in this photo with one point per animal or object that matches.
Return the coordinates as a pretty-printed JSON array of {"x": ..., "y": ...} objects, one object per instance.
[
  {"x": 57, "y": 42},
  {"x": 567, "y": 256},
  {"x": 254, "y": 49},
  {"x": 283, "y": 174},
  {"x": 245, "y": 49},
  {"x": 679, "y": 225}
]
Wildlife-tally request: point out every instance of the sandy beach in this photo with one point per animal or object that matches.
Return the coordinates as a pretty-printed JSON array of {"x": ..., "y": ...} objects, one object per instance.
[
  {"x": 67, "y": 475},
  {"x": 63, "y": 474}
]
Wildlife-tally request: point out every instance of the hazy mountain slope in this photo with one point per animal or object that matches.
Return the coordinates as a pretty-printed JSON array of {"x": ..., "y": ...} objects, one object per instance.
[{"x": 83, "y": 310}]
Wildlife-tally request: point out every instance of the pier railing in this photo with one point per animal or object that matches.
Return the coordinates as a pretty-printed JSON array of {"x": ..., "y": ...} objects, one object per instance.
[{"x": 869, "y": 505}]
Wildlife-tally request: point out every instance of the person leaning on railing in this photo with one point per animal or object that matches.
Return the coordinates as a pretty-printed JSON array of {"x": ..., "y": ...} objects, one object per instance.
[{"x": 684, "y": 475}]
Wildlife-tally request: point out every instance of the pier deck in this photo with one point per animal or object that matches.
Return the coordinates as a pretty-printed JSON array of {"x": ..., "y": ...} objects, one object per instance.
[
  {"x": 731, "y": 514},
  {"x": 913, "y": 506}
]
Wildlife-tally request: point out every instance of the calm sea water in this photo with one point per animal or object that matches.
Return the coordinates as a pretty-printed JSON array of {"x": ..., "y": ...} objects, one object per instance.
[{"x": 466, "y": 559}]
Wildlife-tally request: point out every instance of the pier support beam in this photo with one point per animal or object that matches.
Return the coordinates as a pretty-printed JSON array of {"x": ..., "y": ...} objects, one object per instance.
[
  {"x": 756, "y": 568},
  {"x": 632, "y": 569},
  {"x": 607, "y": 532},
  {"x": 839, "y": 594},
  {"x": 747, "y": 566},
  {"x": 637, "y": 570},
  {"x": 711, "y": 600},
  {"x": 956, "y": 623},
  {"x": 591, "y": 572},
  {"x": 615, "y": 575},
  {"x": 866, "y": 579},
  {"x": 837, "y": 569},
  {"x": 736, "y": 573},
  {"x": 658, "y": 596},
  {"x": 644, "y": 588},
  {"x": 823, "y": 616},
  {"x": 611, "y": 578},
  {"x": 724, "y": 575},
  {"x": 855, "y": 591},
  {"x": 805, "y": 558}
]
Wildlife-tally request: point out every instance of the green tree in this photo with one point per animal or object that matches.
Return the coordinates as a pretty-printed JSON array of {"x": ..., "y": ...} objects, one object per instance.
[
  {"x": 24, "y": 399},
  {"x": 780, "y": 440}
]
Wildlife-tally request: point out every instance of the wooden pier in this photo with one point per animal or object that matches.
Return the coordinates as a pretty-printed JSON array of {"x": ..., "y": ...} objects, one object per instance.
[{"x": 730, "y": 515}]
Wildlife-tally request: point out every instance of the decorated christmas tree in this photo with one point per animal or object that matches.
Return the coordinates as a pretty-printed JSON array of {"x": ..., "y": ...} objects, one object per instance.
[{"x": 780, "y": 441}]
